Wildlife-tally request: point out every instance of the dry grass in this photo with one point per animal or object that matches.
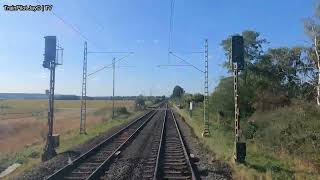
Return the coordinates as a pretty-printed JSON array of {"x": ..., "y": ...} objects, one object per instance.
[
  {"x": 24, "y": 123},
  {"x": 23, "y": 127}
]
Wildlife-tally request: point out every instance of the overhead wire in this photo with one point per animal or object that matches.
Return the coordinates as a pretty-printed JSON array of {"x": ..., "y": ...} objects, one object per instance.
[
  {"x": 108, "y": 66},
  {"x": 171, "y": 27},
  {"x": 187, "y": 62},
  {"x": 72, "y": 27}
]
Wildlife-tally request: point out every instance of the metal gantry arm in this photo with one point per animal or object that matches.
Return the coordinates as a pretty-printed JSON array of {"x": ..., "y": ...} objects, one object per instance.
[
  {"x": 189, "y": 64},
  {"x": 109, "y": 65}
]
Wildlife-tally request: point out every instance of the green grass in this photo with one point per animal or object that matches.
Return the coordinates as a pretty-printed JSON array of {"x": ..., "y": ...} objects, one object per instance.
[{"x": 262, "y": 159}]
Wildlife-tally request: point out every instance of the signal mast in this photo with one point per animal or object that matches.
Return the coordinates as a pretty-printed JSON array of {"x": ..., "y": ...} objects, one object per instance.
[
  {"x": 237, "y": 63},
  {"x": 51, "y": 60}
]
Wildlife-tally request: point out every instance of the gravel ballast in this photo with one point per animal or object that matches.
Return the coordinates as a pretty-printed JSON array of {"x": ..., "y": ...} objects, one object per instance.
[
  {"x": 129, "y": 165},
  {"x": 130, "y": 162},
  {"x": 44, "y": 169},
  {"x": 208, "y": 167}
]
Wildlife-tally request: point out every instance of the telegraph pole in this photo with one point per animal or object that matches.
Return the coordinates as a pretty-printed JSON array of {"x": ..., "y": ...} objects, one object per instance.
[
  {"x": 83, "y": 113},
  {"x": 114, "y": 69},
  {"x": 206, "y": 131},
  {"x": 50, "y": 62}
]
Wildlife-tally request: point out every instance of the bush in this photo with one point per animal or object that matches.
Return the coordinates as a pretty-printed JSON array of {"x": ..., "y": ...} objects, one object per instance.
[
  {"x": 121, "y": 110},
  {"x": 249, "y": 130},
  {"x": 293, "y": 129},
  {"x": 140, "y": 102}
]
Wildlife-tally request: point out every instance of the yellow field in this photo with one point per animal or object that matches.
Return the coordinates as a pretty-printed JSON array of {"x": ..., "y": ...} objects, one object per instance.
[
  {"x": 11, "y": 109},
  {"x": 23, "y": 127},
  {"x": 23, "y": 123}
]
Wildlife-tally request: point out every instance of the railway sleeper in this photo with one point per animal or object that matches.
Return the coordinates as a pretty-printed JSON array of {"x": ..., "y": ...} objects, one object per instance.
[
  {"x": 174, "y": 163},
  {"x": 178, "y": 168},
  {"x": 74, "y": 178},
  {"x": 175, "y": 160},
  {"x": 177, "y": 177},
  {"x": 173, "y": 152},
  {"x": 168, "y": 156},
  {"x": 174, "y": 173}
]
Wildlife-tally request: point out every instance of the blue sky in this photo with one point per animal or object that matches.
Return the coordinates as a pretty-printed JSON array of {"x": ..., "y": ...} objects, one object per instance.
[{"x": 141, "y": 26}]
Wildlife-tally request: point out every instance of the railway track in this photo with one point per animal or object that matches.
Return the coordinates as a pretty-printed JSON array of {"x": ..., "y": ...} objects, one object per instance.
[
  {"x": 150, "y": 166},
  {"x": 92, "y": 164},
  {"x": 168, "y": 158}
]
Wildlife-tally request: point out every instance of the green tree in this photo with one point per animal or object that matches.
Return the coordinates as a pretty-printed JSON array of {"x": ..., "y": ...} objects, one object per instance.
[
  {"x": 222, "y": 97},
  {"x": 253, "y": 46},
  {"x": 197, "y": 98},
  {"x": 312, "y": 29},
  {"x": 270, "y": 78},
  {"x": 177, "y": 92},
  {"x": 140, "y": 102}
]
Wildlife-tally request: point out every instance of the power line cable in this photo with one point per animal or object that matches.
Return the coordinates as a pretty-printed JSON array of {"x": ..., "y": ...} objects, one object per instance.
[
  {"x": 72, "y": 27},
  {"x": 187, "y": 62},
  {"x": 108, "y": 66},
  {"x": 171, "y": 27}
]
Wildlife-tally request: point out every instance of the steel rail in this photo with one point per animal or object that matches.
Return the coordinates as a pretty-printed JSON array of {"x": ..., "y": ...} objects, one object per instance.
[
  {"x": 160, "y": 144},
  {"x": 100, "y": 170},
  {"x": 184, "y": 148},
  {"x": 161, "y": 150},
  {"x": 61, "y": 173}
]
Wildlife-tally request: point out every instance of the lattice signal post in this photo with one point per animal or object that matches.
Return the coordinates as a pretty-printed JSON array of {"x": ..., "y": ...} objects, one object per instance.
[
  {"x": 237, "y": 57},
  {"x": 51, "y": 60},
  {"x": 206, "y": 131},
  {"x": 113, "y": 81},
  {"x": 83, "y": 113}
]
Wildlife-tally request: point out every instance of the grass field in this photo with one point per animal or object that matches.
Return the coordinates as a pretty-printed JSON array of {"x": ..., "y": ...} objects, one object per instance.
[
  {"x": 263, "y": 160},
  {"x": 23, "y": 127}
]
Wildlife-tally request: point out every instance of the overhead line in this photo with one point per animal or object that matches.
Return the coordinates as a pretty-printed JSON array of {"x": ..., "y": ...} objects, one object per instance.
[
  {"x": 171, "y": 26},
  {"x": 107, "y": 66},
  {"x": 70, "y": 25},
  {"x": 162, "y": 65},
  {"x": 186, "y": 52},
  {"x": 187, "y": 62},
  {"x": 109, "y": 52}
]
